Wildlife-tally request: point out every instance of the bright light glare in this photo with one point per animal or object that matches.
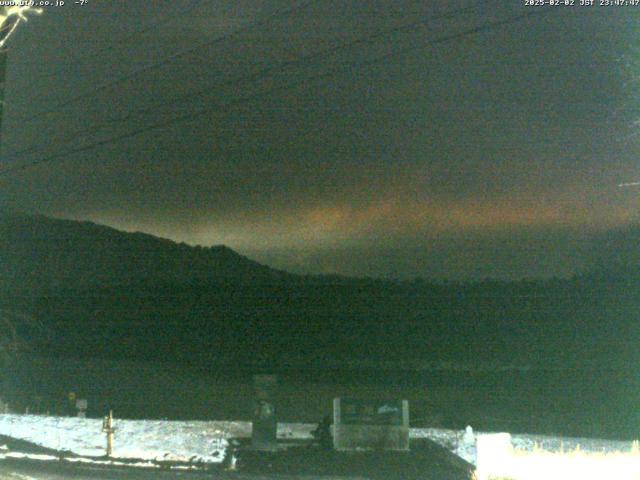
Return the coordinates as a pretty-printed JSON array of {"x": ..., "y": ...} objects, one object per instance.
[
  {"x": 539, "y": 464},
  {"x": 16, "y": 14},
  {"x": 578, "y": 465}
]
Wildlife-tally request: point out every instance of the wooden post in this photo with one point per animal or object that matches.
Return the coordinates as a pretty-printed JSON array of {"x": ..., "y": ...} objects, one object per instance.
[{"x": 107, "y": 427}]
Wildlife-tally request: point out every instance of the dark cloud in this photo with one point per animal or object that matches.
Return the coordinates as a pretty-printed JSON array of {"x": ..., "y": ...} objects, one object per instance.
[{"x": 492, "y": 154}]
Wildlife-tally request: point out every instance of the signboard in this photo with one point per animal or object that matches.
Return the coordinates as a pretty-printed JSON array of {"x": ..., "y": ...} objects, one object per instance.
[
  {"x": 370, "y": 424},
  {"x": 371, "y": 412}
]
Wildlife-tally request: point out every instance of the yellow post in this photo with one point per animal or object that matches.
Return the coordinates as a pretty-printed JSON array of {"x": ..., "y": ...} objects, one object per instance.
[{"x": 107, "y": 427}]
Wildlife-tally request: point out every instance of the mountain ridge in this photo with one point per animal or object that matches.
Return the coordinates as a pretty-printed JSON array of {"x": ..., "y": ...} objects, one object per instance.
[
  {"x": 105, "y": 293},
  {"x": 88, "y": 248},
  {"x": 52, "y": 252}
]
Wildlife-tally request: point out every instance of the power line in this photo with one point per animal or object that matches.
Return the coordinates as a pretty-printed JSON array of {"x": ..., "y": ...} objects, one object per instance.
[
  {"x": 368, "y": 39},
  {"x": 165, "y": 61},
  {"x": 134, "y": 133},
  {"x": 195, "y": 4},
  {"x": 328, "y": 74},
  {"x": 150, "y": 26}
]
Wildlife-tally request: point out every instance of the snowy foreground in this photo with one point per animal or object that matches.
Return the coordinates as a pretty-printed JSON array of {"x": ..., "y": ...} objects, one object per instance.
[
  {"x": 158, "y": 440},
  {"x": 198, "y": 441},
  {"x": 464, "y": 443}
]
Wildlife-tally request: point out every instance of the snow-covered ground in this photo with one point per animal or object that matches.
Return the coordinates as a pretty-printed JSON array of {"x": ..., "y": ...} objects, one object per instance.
[
  {"x": 199, "y": 441},
  {"x": 140, "y": 439},
  {"x": 463, "y": 443}
]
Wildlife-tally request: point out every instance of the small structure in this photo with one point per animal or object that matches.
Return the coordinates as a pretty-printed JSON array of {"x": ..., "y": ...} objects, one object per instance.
[
  {"x": 322, "y": 434},
  {"x": 469, "y": 438},
  {"x": 81, "y": 406},
  {"x": 370, "y": 424},
  {"x": 265, "y": 424}
]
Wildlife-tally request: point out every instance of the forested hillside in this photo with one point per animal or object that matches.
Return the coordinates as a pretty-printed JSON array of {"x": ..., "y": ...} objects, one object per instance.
[{"x": 104, "y": 293}]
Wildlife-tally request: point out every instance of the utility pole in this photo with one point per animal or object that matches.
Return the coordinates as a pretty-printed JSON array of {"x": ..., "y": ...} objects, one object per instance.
[
  {"x": 10, "y": 18},
  {"x": 3, "y": 72}
]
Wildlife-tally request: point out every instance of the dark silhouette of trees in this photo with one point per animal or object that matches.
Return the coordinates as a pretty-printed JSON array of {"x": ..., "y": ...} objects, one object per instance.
[{"x": 15, "y": 330}]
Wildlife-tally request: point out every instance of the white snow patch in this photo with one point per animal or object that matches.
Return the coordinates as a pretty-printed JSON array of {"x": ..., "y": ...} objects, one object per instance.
[
  {"x": 460, "y": 442},
  {"x": 141, "y": 439},
  {"x": 160, "y": 440},
  {"x": 33, "y": 456},
  {"x": 206, "y": 441}
]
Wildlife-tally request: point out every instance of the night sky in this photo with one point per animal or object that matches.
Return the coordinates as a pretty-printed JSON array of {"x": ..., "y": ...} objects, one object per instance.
[{"x": 406, "y": 150}]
